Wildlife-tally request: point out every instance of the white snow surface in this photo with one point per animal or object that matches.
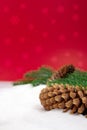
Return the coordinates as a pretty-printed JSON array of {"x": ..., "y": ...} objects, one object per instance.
[{"x": 20, "y": 109}]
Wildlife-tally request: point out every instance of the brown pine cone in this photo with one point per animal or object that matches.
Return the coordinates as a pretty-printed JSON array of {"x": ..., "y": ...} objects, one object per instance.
[
  {"x": 64, "y": 97},
  {"x": 63, "y": 72}
]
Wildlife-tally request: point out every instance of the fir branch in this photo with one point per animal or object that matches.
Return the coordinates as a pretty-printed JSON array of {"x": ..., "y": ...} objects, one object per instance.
[
  {"x": 44, "y": 74},
  {"x": 36, "y": 77}
]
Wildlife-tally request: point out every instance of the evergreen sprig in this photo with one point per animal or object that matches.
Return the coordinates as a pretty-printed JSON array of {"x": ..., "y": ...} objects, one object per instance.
[
  {"x": 36, "y": 77},
  {"x": 43, "y": 74}
]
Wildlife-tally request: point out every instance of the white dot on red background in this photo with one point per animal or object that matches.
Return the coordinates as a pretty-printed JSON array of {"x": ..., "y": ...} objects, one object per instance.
[
  {"x": 14, "y": 20},
  {"x": 19, "y": 69},
  {"x": 60, "y": 9},
  {"x": 31, "y": 27},
  {"x": 75, "y": 6},
  {"x": 39, "y": 49},
  {"x": 22, "y": 39},
  {"x": 8, "y": 63},
  {"x": 80, "y": 54},
  {"x": 75, "y": 34},
  {"x": 75, "y": 17},
  {"x": 67, "y": 54},
  {"x": 80, "y": 64},
  {"x": 53, "y": 21},
  {"x": 36, "y": 31},
  {"x": 54, "y": 59},
  {"x": 45, "y": 10},
  {"x": 6, "y": 9},
  {"x": 22, "y": 5},
  {"x": 62, "y": 37},
  {"x": 7, "y": 41},
  {"x": 25, "y": 56},
  {"x": 45, "y": 34}
]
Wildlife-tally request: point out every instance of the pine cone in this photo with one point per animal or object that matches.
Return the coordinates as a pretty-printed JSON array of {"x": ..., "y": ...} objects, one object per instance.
[
  {"x": 63, "y": 72},
  {"x": 64, "y": 97}
]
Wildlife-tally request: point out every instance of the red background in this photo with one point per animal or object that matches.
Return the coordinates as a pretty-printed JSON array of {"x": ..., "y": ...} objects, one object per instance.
[{"x": 37, "y": 32}]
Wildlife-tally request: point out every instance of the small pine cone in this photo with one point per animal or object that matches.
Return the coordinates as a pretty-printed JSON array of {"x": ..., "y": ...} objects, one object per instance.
[
  {"x": 66, "y": 69},
  {"x": 70, "y": 68},
  {"x": 63, "y": 72},
  {"x": 64, "y": 97}
]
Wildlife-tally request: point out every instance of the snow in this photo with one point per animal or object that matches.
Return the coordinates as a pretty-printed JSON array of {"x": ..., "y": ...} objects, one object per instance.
[{"x": 20, "y": 109}]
